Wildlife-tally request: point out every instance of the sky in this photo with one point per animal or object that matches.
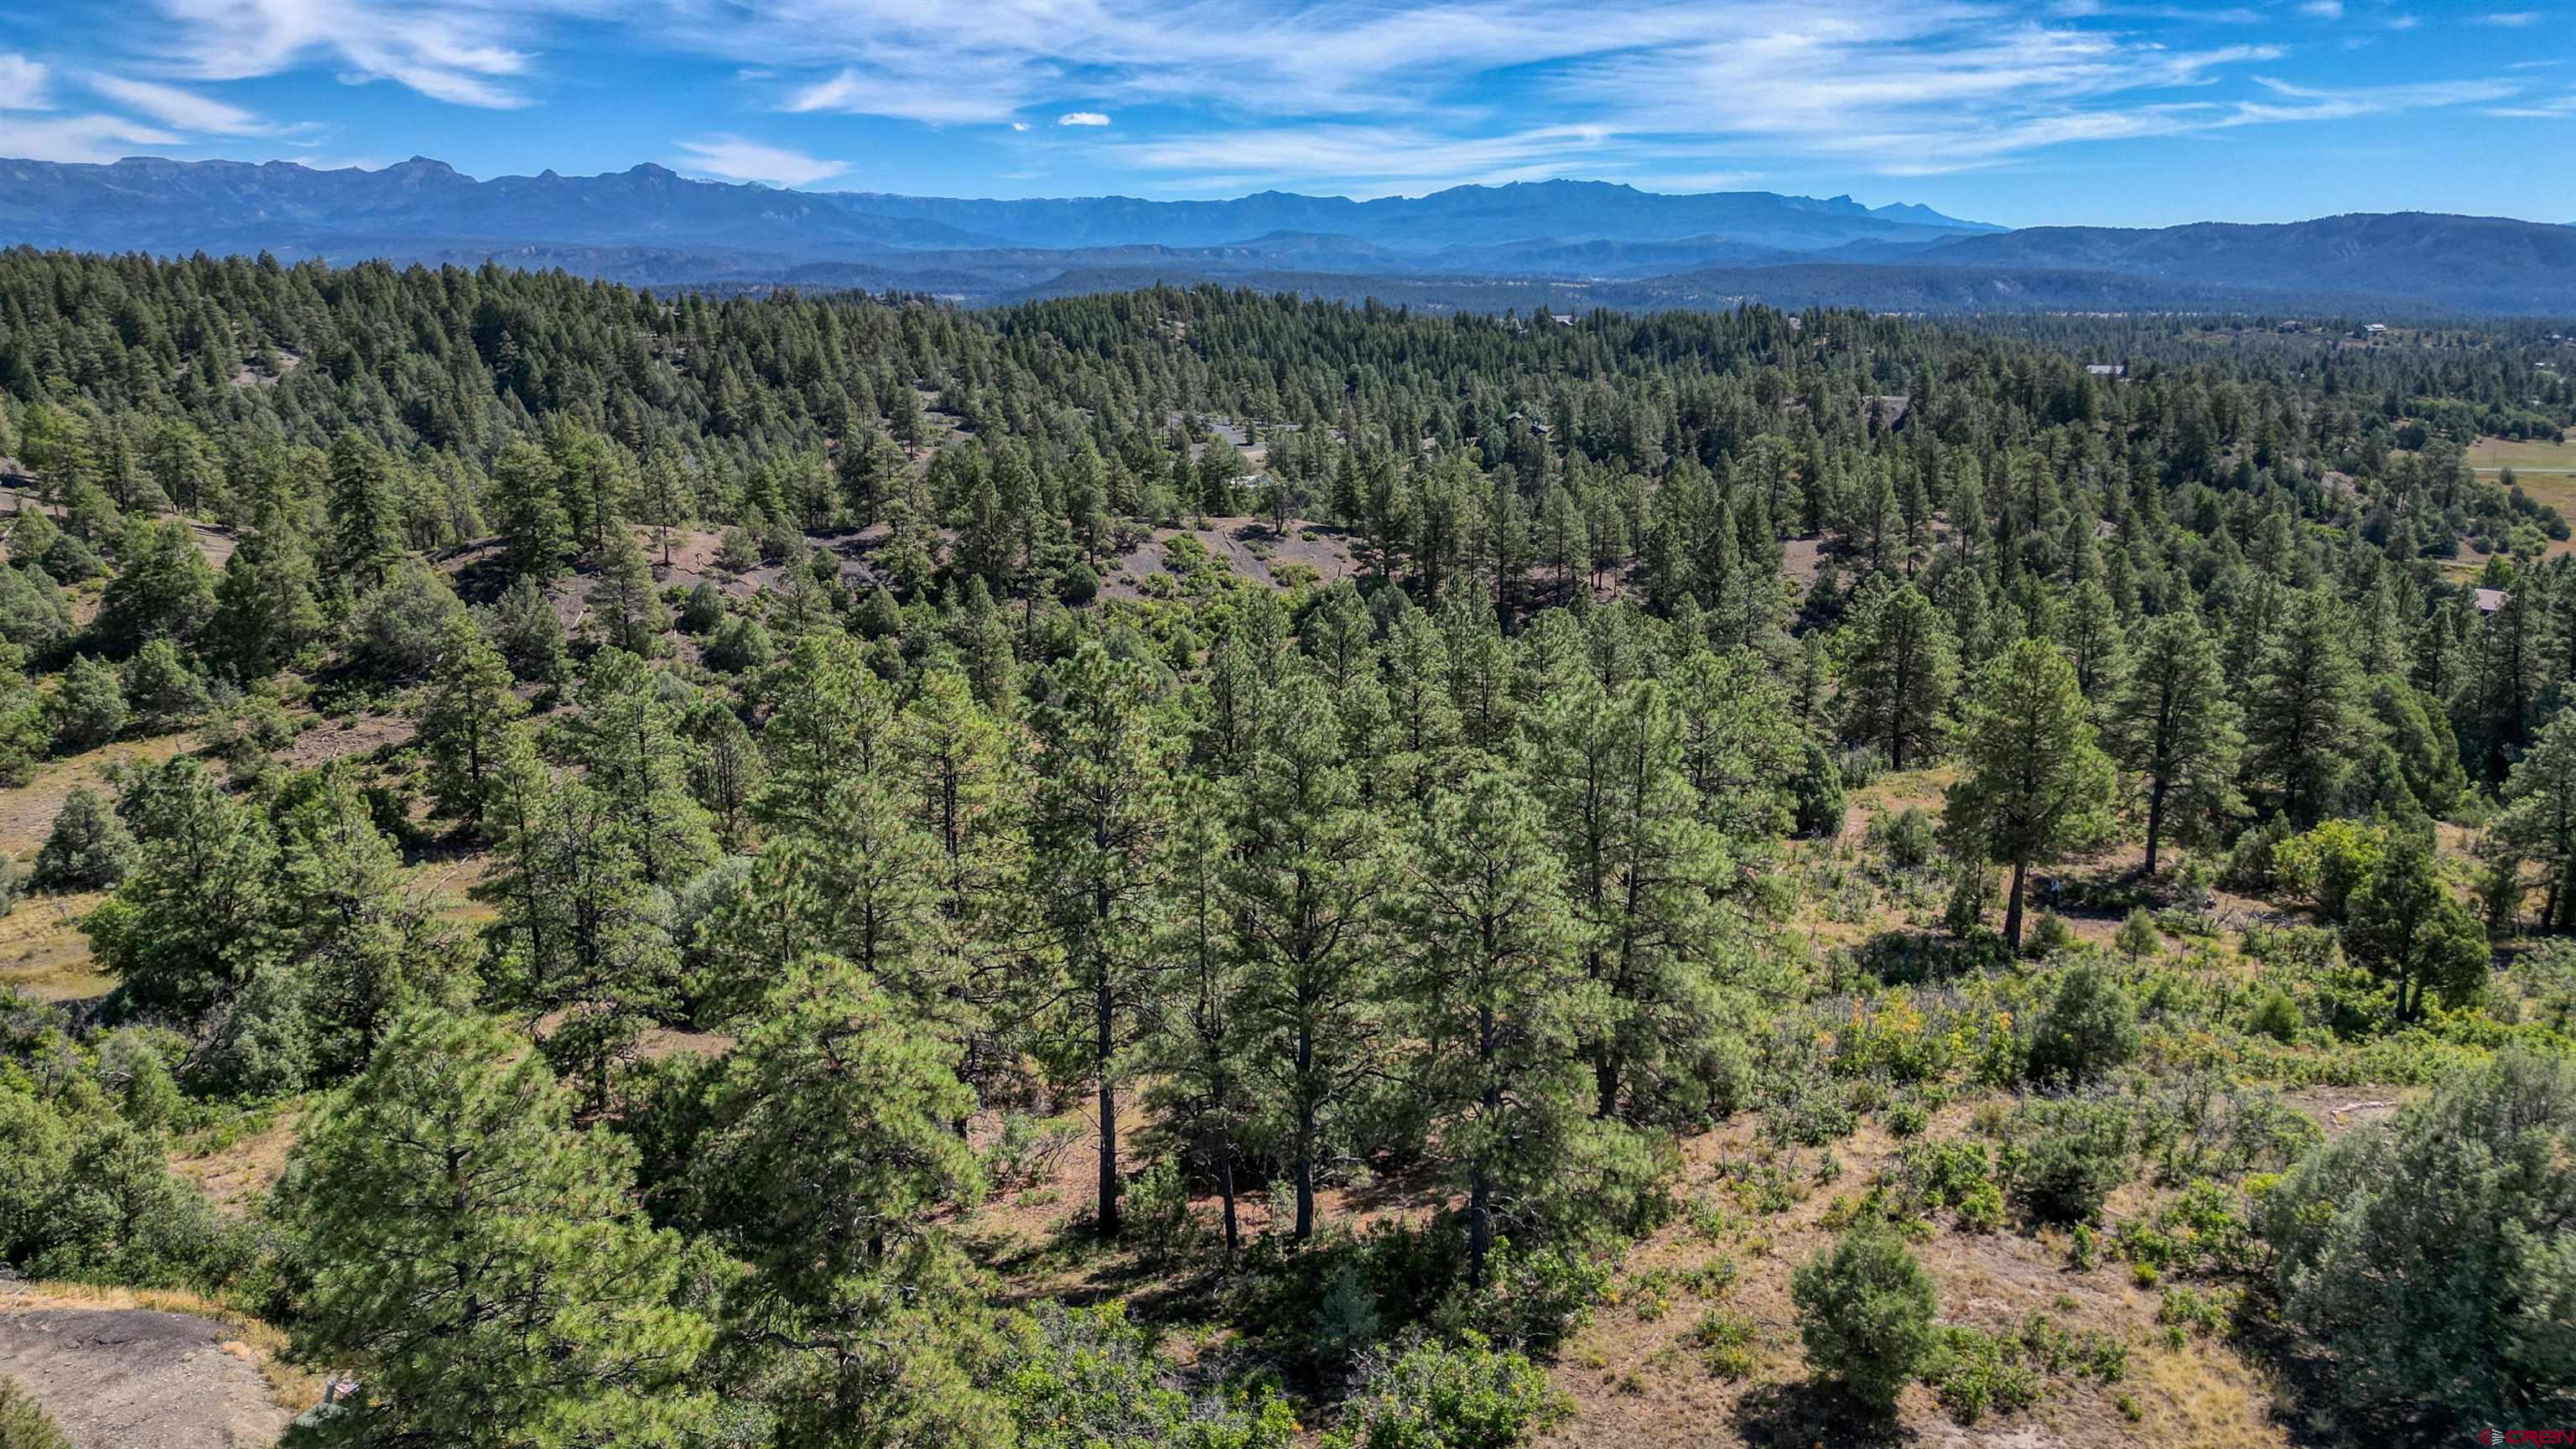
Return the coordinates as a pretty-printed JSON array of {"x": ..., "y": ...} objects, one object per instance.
[{"x": 2022, "y": 112}]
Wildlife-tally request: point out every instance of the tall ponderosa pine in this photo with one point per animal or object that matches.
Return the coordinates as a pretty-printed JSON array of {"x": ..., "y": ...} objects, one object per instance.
[
  {"x": 1900, "y": 666},
  {"x": 2301, "y": 723},
  {"x": 2033, "y": 785},
  {"x": 463, "y": 717},
  {"x": 1308, "y": 871},
  {"x": 1098, "y": 832},
  {"x": 1493, "y": 989},
  {"x": 2175, "y": 726}
]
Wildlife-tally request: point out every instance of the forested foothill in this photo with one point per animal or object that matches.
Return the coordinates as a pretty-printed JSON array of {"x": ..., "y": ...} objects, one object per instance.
[{"x": 1196, "y": 868}]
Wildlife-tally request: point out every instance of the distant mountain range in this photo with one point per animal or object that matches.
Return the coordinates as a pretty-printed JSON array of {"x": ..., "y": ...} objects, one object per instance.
[{"x": 1573, "y": 241}]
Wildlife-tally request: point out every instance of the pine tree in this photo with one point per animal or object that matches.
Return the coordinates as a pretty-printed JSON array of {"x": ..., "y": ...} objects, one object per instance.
[
  {"x": 624, "y": 597},
  {"x": 480, "y": 1263},
  {"x": 1309, "y": 870},
  {"x": 1492, "y": 987},
  {"x": 627, "y": 739},
  {"x": 366, "y": 539},
  {"x": 2033, "y": 786},
  {"x": 462, "y": 717},
  {"x": 2407, "y": 928},
  {"x": 527, "y": 508},
  {"x": 1900, "y": 666},
  {"x": 1647, "y": 876},
  {"x": 2174, "y": 724},
  {"x": 1098, "y": 829},
  {"x": 2301, "y": 726},
  {"x": 196, "y": 917},
  {"x": 2539, "y": 820},
  {"x": 824, "y": 1149}
]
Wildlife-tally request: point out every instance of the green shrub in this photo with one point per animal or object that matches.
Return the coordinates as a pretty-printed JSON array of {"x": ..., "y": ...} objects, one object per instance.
[
  {"x": 88, "y": 707},
  {"x": 88, "y": 849},
  {"x": 740, "y": 645},
  {"x": 1907, "y": 838},
  {"x": 1087, "y": 1378},
  {"x": 1435, "y": 1396},
  {"x": 1865, "y": 1311},
  {"x": 1157, "y": 1212},
  {"x": 1973, "y": 1372},
  {"x": 2067, "y": 1158},
  {"x": 2275, "y": 1015},
  {"x": 2049, "y": 935},
  {"x": 702, "y": 610},
  {"x": 1725, "y": 1343},
  {"x": 24, "y": 1424},
  {"x": 2138, "y": 936},
  {"x": 2432, "y": 1255},
  {"x": 2090, "y": 1028}
]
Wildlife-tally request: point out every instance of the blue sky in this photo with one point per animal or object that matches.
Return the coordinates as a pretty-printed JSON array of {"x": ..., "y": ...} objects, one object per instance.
[{"x": 2024, "y": 113}]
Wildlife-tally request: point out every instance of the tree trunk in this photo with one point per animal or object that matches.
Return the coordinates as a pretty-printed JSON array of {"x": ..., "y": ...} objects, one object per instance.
[
  {"x": 1305, "y": 1134},
  {"x": 1225, "y": 1191},
  {"x": 2155, "y": 820},
  {"x": 2012, "y": 908},
  {"x": 1102, "y": 1023},
  {"x": 1480, "y": 1188}
]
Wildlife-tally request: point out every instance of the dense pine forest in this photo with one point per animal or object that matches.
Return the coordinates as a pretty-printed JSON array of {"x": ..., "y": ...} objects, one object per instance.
[{"x": 1197, "y": 868}]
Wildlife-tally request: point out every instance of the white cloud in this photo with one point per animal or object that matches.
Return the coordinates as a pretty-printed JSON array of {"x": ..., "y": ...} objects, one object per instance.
[
  {"x": 736, "y": 159},
  {"x": 2511, "y": 19},
  {"x": 1680, "y": 87},
  {"x": 23, "y": 84},
  {"x": 91, "y": 139},
  {"x": 172, "y": 106},
  {"x": 464, "y": 52}
]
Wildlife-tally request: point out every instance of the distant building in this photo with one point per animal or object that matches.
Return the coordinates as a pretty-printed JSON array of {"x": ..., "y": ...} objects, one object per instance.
[
  {"x": 1797, "y": 324},
  {"x": 1564, "y": 319},
  {"x": 2292, "y": 327},
  {"x": 2375, "y": 329},
  {"x": 2107, "y": 369},
  {"x": 2490, "y": 600}
]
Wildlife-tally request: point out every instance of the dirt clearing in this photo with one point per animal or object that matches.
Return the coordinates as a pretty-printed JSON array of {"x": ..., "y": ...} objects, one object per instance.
[{"x": 139, "y": 1378}]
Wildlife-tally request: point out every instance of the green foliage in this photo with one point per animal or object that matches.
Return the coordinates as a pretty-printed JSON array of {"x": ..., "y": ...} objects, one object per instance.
[
  {"x": 479, "y": 1262},
  {"x": 1087, "y": 1378},
  {"x": 2430, "y": 1254},
  {"x": 1865, "y": 1311},
  {"x": 88, "y": 849},
  {"x": 2065, "y": 1157},
  {"x": 87, "y": 708},
  {"x": 2033, "y": 785},
  {"x": 1437, "y": 1396},
  {"x": 2089, "y": 1030},
  {"x": 24, "y": 1424}
]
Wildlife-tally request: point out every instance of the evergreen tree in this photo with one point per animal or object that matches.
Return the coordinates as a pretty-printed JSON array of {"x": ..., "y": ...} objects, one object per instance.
[
  {"x": 481, "y": 1264},
  {"x": 2174, "y": 724},
  {"x": 1098, "y": 830},
  {"x": 1309, "y": 871},
  {"x": 1493, "y": 989},
  {"x": 2301, "y": 727},
  {"x": 1900, "y": 665},
  {"x": 2407, "y": 928},
  {"x": 463, "y": 717},
  {"x": 2033, "y": 785}
]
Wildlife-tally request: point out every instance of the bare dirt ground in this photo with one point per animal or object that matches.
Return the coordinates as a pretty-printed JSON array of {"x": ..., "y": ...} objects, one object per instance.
[
  {"x": 215, "y": 543},
  {"x": 1247, "y": 546},
  {"x": 138, "y": 1378}
]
